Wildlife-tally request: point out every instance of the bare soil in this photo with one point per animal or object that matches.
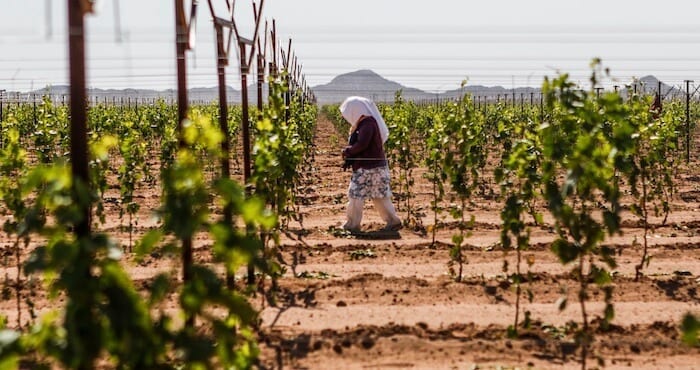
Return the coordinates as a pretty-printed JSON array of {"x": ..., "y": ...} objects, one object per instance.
[{"x": 384, "y": 300}]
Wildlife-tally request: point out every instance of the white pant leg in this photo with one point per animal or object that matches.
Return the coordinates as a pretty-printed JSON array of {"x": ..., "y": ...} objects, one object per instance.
[
  {"x": 386, "y": 210},
  {"x": 354, "y": 214}
]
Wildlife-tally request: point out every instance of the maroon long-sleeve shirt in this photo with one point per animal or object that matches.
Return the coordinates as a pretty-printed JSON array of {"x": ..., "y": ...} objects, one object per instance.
[{"x": 369, "y": 148}]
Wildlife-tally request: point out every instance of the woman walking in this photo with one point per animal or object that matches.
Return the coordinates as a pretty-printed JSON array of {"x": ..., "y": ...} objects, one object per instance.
[{"x": 370, "y": 173}]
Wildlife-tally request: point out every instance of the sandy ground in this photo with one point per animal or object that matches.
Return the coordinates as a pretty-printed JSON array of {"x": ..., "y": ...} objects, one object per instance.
[{"x": 386, "y": 300}]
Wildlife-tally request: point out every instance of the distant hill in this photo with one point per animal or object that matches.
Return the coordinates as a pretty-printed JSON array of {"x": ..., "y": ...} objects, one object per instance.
[
  {"x": 365, "y": 83},
  {"x": 651, "y": 84}
]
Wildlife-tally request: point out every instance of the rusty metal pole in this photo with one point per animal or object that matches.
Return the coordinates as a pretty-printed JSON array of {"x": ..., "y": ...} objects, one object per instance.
[
  {"x": 78, "y": 106},
  {"x": 272, "y": 66},
  {"x": 245, "y": 132},
  {"x": 34, "y": 109},
  {"x": 287, "y": 83},
  {"x": 245, "y": 125},
  {"x": 287, "y": 97},
  {"x": 223, "y": 110},
  {"x": 272, "y": 71},
  {"x": 687, "y": 121},
  {"x": 261, "y": 83},
  {"x": 522, "y": 103},
  {"x": 181, "y": 36},
  {"x": 221, "y": 62},
  {"x": 181, "y": 48},
  {"x": 223, "y": 116}
]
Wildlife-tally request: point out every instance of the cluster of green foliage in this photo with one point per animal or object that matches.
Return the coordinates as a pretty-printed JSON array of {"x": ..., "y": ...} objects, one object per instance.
[
  {"x": 519, "y": 178},
  {"x": 281, "y": 150},
  {"x": 104, "y": 317},
  {"x": 403, "y": 149},
  {"x": 283, "y": 141}
]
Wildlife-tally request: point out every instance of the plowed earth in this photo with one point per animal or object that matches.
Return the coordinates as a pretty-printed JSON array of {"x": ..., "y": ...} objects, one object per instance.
[{"x": 385, "y": 300}]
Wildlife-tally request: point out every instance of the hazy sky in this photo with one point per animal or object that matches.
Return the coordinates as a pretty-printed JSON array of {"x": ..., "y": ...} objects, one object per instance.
[{"x": 432, "y": 45}]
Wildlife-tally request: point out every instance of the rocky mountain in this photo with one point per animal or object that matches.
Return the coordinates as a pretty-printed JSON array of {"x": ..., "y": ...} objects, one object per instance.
[
  {"x": 650, "y": 84},
  {"x": 365, "y": 83}
]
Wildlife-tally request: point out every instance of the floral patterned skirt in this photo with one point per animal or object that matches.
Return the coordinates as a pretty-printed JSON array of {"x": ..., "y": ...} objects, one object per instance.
[{"x": 370, "y": 183}]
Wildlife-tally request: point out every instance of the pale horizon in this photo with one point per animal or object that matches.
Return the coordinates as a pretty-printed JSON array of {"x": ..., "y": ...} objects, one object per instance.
[{"x": 431, "y": 46}]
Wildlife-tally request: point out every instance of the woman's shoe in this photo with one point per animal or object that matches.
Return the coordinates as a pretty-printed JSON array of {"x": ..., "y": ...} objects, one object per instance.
[{"x": 393, "y": 227}]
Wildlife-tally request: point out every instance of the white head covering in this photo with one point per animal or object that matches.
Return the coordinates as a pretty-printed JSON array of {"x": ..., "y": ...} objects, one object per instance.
[{"x": 355, "y": 107}]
